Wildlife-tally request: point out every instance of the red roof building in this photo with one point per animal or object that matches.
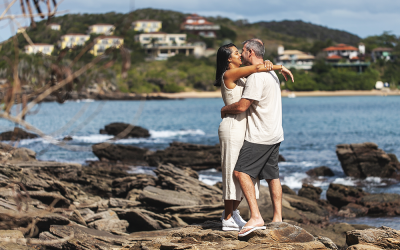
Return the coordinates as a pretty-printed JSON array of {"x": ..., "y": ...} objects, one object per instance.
[
  {"x": 341, "y": 51},
  {"x": 200, "y": 26}
]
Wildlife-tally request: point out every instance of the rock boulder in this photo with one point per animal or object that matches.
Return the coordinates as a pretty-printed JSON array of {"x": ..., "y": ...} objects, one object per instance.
[
  {"x": 125, "y": 130},
  {"x": 117, "y": 152},
  {"x": 17, "y": 134},
  {"x": 320, "y": 171},
  {"x": 365, "y": 159},
  {"x": 197, "y": 157}
]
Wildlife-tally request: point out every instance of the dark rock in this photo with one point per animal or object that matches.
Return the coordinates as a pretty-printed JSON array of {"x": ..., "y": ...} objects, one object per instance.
[
  {"x": 123, "y": 153},
  {"x": 310, "y": 192},
  {"x": 143, "y": 220},
  {"x": 17, "y": 134},
  {"x": 382, "y": 204},
  {"x": 197, "y": 157},
  {"x": 67, "y": 138},
  {"x": 320, "y": 171},
  {"x": 281, "y": 158},
  {"x": 287, "y": 190},
  {"x": 352, "y": 210},
  {"x": 125, "y": 130},
  {"x": 365, "y": 159},
  {"x": 341, "y": 195},
  {"x": 380, "y": 238}
]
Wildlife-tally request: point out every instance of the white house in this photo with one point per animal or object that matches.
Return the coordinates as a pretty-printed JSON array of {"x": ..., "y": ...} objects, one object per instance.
[
  {"x": 54, "y": 26},
  {"x": 200, "y": 26},
  {"x": 156, "y": 39},
  {"x": 101, "y": 28},
  {"x": 294, "y": 59}
]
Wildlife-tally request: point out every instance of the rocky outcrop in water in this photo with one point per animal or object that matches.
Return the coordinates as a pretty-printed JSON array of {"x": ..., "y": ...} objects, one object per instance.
[
  {"x": 320, "y": 171},
  {"x": 365, "y": 159},
  {"x": 125, "y": 130},
  {"x": 17, "y": 134}
]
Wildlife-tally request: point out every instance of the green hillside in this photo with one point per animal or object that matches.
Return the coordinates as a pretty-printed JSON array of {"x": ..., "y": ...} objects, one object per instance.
[
  {"x": 181, "y": 73},
  {"x": 302, "y": 29}
]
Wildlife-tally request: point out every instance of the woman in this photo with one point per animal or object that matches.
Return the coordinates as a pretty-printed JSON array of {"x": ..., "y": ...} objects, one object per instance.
[{"x": 233, "y": 127}]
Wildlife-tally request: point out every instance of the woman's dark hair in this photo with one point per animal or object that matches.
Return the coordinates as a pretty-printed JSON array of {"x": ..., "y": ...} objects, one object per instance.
[{"x": 223, "y": 54}]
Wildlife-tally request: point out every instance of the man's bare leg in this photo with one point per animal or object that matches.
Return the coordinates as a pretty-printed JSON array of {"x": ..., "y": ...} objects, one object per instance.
[
  {"x": 275, "y": 190},
  {"x": 250, "y": 193}
]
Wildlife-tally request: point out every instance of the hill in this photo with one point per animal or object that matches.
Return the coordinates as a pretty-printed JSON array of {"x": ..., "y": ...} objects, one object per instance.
[{"x": 302, "y": 29}]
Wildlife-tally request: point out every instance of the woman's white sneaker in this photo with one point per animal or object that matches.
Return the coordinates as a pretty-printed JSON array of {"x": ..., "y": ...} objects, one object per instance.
[
  {"x": 238, "y": 219},
  {"x": 230, "y": 225}
]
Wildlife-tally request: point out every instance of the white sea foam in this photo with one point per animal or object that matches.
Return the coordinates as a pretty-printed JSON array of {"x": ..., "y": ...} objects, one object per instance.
[
  {"x": 97, "y": 138},
  {"x": 210, "y": 179},
  {"x": 172, "y": 133},
  {"x": 294, "y": 181},
  {"x": 142, "y": 170},
  {"x": 347, "y": 181}
]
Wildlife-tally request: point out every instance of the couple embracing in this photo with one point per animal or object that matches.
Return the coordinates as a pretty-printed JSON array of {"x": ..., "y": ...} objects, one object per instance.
[{"x": 250, "y": 132}]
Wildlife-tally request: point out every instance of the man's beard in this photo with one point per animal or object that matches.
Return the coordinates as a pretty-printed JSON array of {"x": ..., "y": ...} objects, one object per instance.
[{"x": 245, "y": 62}]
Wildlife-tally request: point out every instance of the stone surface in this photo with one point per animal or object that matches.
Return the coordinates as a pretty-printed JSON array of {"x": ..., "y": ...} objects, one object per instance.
[
  {"x": 167, "y": 198},
  {"x": 125, "y": 130},
  {"x": 320, "y": 171},
  {"x": 383, "y": 237},
  {"x": 16, "y": 134},
  {"x": 197, "y": 157},
  {"x": 117, "y": 152},
  {"x": 365, "y": 159},
  {"x": 382, "y": 204},
  {"x": 352, "y": 210},
  {"x": 287, "y": 190},
  {"x": 310, "y": 192},
  {"x": 341, "y": 195}
]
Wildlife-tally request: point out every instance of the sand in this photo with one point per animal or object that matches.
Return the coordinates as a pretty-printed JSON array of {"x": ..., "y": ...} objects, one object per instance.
[{"x": 217, "y": 94}]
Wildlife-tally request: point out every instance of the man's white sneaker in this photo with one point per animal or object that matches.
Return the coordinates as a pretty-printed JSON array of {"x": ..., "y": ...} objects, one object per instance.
[
  {"x": 230, "y": 225},
  {"x": 238, "y": 219}
]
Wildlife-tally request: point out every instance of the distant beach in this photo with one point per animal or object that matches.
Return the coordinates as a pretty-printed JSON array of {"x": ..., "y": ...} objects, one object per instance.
[{"x": 217, "y": 94}]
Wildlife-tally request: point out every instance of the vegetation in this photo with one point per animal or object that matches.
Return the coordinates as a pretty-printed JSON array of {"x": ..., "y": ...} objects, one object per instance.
[{"x": 181, "y": 73}]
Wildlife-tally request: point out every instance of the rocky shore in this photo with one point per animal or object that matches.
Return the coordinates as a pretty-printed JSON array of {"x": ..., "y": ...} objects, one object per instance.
[{"x": 101, "y": 206}]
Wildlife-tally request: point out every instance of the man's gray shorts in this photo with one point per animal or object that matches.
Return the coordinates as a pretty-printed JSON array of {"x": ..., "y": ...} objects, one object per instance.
[{"x": 259, "y": 160}]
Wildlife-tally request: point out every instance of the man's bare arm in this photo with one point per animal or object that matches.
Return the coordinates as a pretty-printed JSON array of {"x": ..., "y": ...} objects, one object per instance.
[{"x": 237, "y": 107}]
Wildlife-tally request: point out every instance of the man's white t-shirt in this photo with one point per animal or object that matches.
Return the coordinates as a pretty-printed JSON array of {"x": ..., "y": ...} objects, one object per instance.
[{"x": 264, "y": 116}]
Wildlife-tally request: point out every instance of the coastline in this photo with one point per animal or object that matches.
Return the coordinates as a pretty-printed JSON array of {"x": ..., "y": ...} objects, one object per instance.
[{"x": 217, "y": 94}]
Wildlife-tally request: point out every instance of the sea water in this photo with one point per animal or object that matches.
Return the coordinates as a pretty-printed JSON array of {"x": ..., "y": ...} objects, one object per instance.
[{"x": 313, "y": 126}]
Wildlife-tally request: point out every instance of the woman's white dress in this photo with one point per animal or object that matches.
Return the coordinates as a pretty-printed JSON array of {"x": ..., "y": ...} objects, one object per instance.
[{"x": 231, "y": 134}]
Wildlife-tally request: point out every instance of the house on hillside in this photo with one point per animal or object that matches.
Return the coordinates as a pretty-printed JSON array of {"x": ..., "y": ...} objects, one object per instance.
[
  {"x": 54, "y": 26},
  {"x": 200, "y": 26},
  {"x": 72, "y": 40},
  {"x": 294, "y": 59},
  {"x": 382, "y": 53},
  {"x": 343, "y": 55},
  {"x": 156, "y": 39},
  {"x": 106, "y": 42},
  {"x": 101, "y": 28},
  {"x": 343, "y": 50},
  {"x": 39, "y": 48},
  {"x": 160, "y": 45},
  {"x": 147, "y": 25}
]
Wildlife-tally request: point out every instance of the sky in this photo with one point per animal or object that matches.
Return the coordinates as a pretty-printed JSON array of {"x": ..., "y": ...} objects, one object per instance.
[{"x": 361, "y": 17}]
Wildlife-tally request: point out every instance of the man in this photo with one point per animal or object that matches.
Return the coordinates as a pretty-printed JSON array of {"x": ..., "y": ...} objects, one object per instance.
[{"x": 258, "y": 157}]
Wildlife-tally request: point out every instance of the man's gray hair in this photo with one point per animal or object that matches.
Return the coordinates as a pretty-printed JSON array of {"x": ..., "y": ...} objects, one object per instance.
[{"x": 256, "y": 45}]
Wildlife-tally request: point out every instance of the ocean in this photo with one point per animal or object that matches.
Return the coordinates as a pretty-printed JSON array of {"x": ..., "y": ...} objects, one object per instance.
[{"x": 313, "y": 126}]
